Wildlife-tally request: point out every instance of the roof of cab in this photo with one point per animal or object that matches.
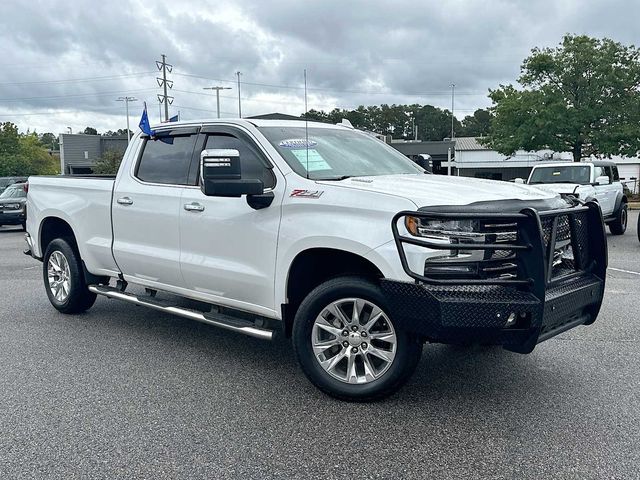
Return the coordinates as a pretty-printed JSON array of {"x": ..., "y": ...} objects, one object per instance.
[
  {"x": 595, "y": 163},
  {"x": 246, "y": 121}
]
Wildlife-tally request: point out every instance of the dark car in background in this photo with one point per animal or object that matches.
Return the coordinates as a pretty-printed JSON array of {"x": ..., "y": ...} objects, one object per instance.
[
  {"x": 13, "y": 205},
  {"x": 6, "y": 181}
]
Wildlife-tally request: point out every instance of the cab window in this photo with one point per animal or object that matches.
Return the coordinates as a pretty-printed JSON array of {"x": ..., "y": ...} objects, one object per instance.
[
  {"x": 166, "y": 160},
  {"x": 253, "y": 165}
]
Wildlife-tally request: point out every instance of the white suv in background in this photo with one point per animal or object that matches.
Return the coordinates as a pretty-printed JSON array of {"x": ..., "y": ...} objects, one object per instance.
[{"x": 596, "y": 180}]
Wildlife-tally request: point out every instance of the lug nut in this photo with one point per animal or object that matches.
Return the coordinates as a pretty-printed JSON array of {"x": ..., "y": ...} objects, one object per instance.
[
  {"x": 345, "y": 333},
  {"x": 364, "y": 334},
  {"x": 354, "y": 350},
  {"x": 345, "y": 344},
  {"x": 354, "y": 328},
  {"x": 364, "y": 345}
]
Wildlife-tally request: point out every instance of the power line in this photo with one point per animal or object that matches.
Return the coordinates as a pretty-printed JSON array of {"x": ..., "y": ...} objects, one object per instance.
[
  {"x": 71, "y": 80},
  {"x": 362, "y": 92},
  {"x": 74, "y": 95},
  {"x": 217, "y": 89},
  {"x": 164, "y": 67}
]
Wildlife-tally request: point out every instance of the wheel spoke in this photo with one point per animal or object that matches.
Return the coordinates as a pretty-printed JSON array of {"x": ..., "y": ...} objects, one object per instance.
[
  {"x": 369, "y": 371},
  {"x": 383, "y": 354},
  {"x": 320, "y": 346},
  {"x": 327, "y": 327},
  {"x": 388, "y": 337},
  {"x": 355, "y": 317},
  {"x": 375, "y": 316},
  {"x": 336, "y": 311},
  {"x": 331, "y": 363},
  {"x": 352, "y": 376}
]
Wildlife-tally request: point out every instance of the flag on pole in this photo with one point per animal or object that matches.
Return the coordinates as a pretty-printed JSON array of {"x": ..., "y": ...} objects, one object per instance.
[{"x": 144, "y": 124}]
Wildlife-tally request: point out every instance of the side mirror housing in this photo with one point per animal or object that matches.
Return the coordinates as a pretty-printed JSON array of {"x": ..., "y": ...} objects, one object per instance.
[
  {"x": 220, "y": 175},
  {"x": 519, "y": 180},
  {"x": 602, "y": 180}
]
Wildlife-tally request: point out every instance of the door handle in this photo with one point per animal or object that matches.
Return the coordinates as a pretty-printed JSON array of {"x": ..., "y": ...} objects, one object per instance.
[
  {"x": 193, "y": 207},
  {"x": 125, "y": 201}
]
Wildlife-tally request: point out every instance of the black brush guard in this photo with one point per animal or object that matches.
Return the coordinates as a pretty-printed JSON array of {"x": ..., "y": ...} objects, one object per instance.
[{"x": 541, "y": 299}]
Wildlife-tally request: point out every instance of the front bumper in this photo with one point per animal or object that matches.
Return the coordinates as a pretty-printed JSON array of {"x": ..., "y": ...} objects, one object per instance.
[
  {"x": 517, "y": 313},
  {"x": 12, "y": 217}
]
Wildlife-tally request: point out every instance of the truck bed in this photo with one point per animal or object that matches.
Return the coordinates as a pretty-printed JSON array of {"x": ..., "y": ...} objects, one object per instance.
[{"x": 84, "y": 203}]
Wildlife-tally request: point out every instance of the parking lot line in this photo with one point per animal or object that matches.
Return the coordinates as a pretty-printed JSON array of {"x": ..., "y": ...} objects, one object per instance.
[{"x": 624, "y": 271}]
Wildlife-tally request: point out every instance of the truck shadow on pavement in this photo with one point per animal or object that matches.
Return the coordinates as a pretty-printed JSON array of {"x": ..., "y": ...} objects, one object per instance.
[{"x": 488, "y": 375}]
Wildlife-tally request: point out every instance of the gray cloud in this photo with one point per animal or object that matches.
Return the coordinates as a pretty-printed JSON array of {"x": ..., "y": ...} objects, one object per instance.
[{"x": 358, "y": 52}]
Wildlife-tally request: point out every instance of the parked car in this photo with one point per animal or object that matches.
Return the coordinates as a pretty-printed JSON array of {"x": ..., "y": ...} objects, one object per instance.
[
  {"x": 6, "y": 181},
  {"x": 325, "y": 235},
  {"x": 597, "y": 180},
  {"x": 13, "y": 205}
]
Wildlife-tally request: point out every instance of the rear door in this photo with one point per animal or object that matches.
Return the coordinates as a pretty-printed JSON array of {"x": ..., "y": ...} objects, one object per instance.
[
  {"x": 146, "y": 209},
  {"x": 228, "y": 248}
]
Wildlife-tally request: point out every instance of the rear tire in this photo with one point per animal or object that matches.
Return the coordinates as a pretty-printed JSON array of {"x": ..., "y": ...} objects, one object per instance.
[
  {"x": 64, "y": 278},
  {"x": 373, "y": 356},
  {"x": 619, "y": 225}
]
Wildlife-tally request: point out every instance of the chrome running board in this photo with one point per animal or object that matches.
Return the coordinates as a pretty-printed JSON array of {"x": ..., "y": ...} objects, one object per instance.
[{"x": 218, "y": 320}]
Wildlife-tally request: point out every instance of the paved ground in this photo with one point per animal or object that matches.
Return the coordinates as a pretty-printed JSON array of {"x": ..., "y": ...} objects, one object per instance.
[{"x": 124, "y": 392}]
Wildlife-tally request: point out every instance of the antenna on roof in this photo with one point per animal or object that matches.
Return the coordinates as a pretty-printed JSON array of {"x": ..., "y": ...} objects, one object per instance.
[{"x": 306, "y": 121}]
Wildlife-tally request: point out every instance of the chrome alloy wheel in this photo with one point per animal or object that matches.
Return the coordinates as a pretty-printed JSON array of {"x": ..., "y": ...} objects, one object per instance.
[
  {"x": 354, "y": 341},
  {"x": 58, "y": 274}
]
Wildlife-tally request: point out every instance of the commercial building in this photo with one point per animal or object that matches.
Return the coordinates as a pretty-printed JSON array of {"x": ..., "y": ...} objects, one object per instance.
[{"x": 79, "y": 152}]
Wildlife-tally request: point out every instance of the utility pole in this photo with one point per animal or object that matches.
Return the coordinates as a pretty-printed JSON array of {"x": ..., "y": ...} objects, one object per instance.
[
  {"x": 217, "y": 89},
  {"x": 239, "y": 105},
  {"x": 453, "y": 95},
  {"x": 126, "y": 101},
  {"x": 164, "y": 67}
]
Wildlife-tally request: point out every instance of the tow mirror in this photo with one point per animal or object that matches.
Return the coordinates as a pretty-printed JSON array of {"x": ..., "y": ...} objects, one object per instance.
[
  {"x": 220, "y": 175},
  {"x": 602, "y": 180},
  {"x": 519, "y": 180}
]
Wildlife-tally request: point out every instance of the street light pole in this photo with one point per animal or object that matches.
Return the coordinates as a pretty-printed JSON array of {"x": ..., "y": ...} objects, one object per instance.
[
  {"x": 239, "y": 105},
  {"x": 126, "y": 101},
  {"x": 217, "y": 89},
  {"x": 453, "y": 96}
]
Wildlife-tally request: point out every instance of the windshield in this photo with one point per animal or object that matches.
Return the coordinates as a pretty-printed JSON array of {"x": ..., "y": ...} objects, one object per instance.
[
  {"x": 14, "y": 192},
  {"x": 336, "y": 153},
  {"x": 568, "y": 174}
]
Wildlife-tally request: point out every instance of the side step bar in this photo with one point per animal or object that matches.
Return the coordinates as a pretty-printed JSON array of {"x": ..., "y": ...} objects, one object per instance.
[{"x": 216, "y": 320}]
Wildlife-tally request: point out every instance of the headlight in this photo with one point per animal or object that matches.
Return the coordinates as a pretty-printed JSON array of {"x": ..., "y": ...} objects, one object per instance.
[
  {"x": 12, "y": 206},
  {"x": 465, "y": 263},
  {"x": 443, "y": 229}
]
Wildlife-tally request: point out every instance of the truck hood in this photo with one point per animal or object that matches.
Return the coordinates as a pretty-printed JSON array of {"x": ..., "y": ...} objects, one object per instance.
[
  {"x": 428, "y": 190},
  {"x": 559, "y": 187}
]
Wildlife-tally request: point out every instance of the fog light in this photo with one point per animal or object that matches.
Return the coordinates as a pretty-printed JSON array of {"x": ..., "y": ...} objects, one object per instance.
[{"x": 511, "y": 321}]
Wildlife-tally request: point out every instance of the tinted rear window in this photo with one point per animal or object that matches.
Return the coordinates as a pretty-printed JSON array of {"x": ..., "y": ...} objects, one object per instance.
[{"x": 166, "y": 160}]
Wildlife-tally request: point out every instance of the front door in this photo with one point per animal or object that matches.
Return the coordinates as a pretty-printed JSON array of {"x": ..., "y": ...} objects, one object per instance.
[
  {"x": 147, "y": 206},
  {"x": 228, "y": 249}
]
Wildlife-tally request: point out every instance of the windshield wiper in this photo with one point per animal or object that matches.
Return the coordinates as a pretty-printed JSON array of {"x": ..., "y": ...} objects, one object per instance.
[{"x": 333, "y": 179}]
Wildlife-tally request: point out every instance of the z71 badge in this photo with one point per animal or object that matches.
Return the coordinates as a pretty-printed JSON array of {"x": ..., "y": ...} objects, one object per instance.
[{"x": 306, "y": 193}]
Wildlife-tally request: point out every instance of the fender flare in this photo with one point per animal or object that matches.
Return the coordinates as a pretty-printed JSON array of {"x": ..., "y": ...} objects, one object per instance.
[{"x": 621, "y": 198}]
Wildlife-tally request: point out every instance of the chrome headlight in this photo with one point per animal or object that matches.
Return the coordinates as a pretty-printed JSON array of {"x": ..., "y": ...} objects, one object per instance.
[{"x": 460, "y": 262}]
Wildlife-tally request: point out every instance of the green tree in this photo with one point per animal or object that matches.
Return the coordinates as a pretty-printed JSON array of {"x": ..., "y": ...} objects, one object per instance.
[
  {"x": 476, "y": 125},
  {"x": 583, "y": 97},
  {"x": 90, "y": 131},
  {"x": 108, "y": 163},
  {"x": 23, "y": 155},
  {"x": 50, "y": 141}
]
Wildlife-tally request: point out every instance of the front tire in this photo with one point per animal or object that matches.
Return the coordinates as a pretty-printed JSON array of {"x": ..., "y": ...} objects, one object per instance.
[
  {"x": 619, "y": 225},
  {"x": 64, "y": 278},
  {"x": 347, "y": 344}
]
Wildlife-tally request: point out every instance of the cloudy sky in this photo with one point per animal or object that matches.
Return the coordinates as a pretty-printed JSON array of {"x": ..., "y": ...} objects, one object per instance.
[{"x": 64, "y": 64}]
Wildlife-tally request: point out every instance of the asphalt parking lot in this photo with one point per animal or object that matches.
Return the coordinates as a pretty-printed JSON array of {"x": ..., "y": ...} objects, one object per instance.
[{"x": 125, "y": 392}]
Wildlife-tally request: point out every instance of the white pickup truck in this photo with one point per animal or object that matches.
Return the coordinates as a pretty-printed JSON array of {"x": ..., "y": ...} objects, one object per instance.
[
  {"x": 597, "y": 180},
  {"x": 324, "y": 234}
]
